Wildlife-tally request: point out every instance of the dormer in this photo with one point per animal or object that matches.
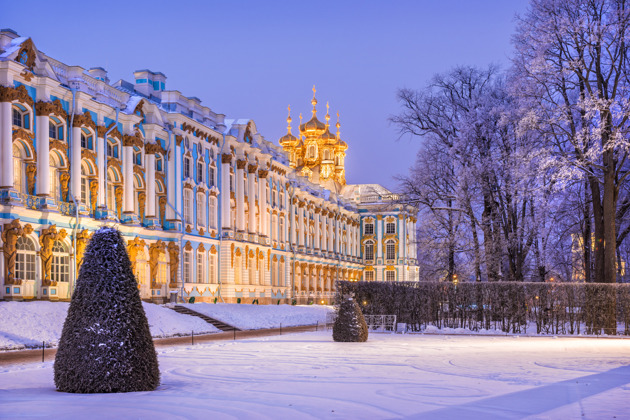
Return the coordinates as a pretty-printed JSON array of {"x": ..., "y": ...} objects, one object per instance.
[
  {"x": 99, "y": 73},
  {"x": 149, "y": 83}
]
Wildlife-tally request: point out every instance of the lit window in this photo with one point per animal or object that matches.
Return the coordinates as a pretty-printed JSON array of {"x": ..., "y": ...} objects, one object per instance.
[
  {"x": 201, "y": 278},
  {"x": 390, "y": 275},
  {"x": 201, "y": 210},
  {"x": 188, "y": 206},
  {"x": 390, "y": 250},
  {"x": 187, "y": 266},
  {"x": 211, "y": 269},
  {"x": 212, "y": 212},
  {"x": 186, "y": 167},
  {"x": 25, "y": 259},
  {"x": 368, "y": 276},
  {"x": 60, "y": 271},
  {"x": 369, "y": 251},
  {"x": 211, "y": 176}
]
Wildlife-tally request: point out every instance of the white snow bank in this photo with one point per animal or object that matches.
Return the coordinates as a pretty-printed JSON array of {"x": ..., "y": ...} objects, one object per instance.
[
  {"x": 253, "y": 317},
  {"x": 27, "y": 324}
]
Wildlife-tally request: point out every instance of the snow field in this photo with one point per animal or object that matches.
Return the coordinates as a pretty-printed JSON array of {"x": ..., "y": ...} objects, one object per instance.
[
  {"x": 254, "y": 317},
  {"x": 308, "y": 376}
]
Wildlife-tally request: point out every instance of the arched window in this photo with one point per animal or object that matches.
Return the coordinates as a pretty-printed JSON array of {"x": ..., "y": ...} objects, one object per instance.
[
  {"x": 201, "y": 272},
  {"x": 274, "y": 227},
  {"x": 137, "y": 156},
  {"x": 112, "y": 148},
  {"x": 85, "y": 185},
  {"x": 212, "y": 212},
  {"x": 211, "y": 175},
  {"x": 21, "y": 117},
  {"x": 201, "y": 210},
  {"x": 368, "y": 252},
  {"x": 25, "y": 259},
  {"x": 87, "y": 139},
  {"x": 55, "y": 129},
  {"x": 55, "y": 162},
  {"x": 186, "y": 167},
  {"x": 19, "y": 170},
  {"x": 281, "y": 268},
  {"x": 261, "y": 271},
  {"x": 187, "y": 266},
  {"x": 390, "y": 250},
  {"x": 61, "y": 262},
  {"x": 111, "y": 189},
  {"x": 326, "y": 154},
  {"x": 140, "y": 270},
  {"x": 200, "y": 177},
  {"x": 281, "y": 233},
  {"x": 159, "y": 162},
  {"x": 312, "y": 152}
]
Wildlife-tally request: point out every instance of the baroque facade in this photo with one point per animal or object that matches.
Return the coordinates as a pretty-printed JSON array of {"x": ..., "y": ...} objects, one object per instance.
[{"x": 208, "y": 207}]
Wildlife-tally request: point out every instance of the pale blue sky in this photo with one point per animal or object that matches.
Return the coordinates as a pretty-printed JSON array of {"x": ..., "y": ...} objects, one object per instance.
[{"x": 250, "y": 59}]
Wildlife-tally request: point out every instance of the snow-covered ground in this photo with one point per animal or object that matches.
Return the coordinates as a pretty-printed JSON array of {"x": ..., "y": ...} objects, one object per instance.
[
  {"x": 27, "y": 324},
  {"x": 254, "y": 317},
  {"x": 308, "y": 375}
]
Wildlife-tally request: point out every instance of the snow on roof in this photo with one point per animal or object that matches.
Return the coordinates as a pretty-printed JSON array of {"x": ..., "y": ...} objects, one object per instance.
[{"x": 13, "y": 46}]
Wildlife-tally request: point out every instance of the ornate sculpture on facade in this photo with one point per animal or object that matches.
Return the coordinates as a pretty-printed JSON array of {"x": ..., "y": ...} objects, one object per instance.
[
  {"x": 118, "y": 193},
  {"x": 133, "y": 247},
  {"x": 31, "y": 170},
  {"x": 93, "y": 195},
  {"x": 155, "y": 250},
  {"x": 173, "y": 254},
  {"x": 142, "y": 199},
  {"x": 10, "y": 234},
  {"x": 64, "y": 179},
  {"x": 46, "y": 239},
  {"x": 83, "y": 238},
  {"x": 162, "y": 208}
]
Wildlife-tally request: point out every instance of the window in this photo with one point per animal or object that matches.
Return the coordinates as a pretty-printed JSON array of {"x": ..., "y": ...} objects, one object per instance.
[
  {"x": 85, "y": 187},
  {"x": 25, "y": 259},
  {"x": 212, "y": 212},
  {"x": 201, "y": 210},
  {"x": 281, "y": 235},
  {"x": 211, "y": 176},
  {"x": 274, "y": 227},
  {"x": 252, "y": 273},
  {"x": 112, "y": 149},
  {"x": 238, "y": 263},
  {"x": 390, "y": 275},
  {"x": 326, "y": 154},
  {"x": 61, "y": 263},
  {"x": 369, "y": 251},
  {"x": 187, "y": 266},
  {"x": 54, "y": 184},
  {"x": 390, "y": 250},
  {"x": 369, "y": 229},
  {"x": 231, "y": 182},
  {"x": 281, "y": 200},
  {"x": 311, "y": 152},
  {"x": 281, "y": 274},
  {"x": 390, "y": 228},
  {"x": 368, "y": 276},
  {"x": 186, "y": 167},
  {"x": 158, "y": 163},
  {"x": 86, "y": 140},
  {"x": 201, "y": 277},
  {"x": 18, "y": 170},
  {"x": 188, "y": 206},
  {"x": 55, "y": 130},
  {"x": 21, "y": 117},
  {"x": 137, "y": 158},
  {"x": 273, "y": 195},
  {"x": 162, "y": 269},
  {"x": 211, "y": 268},
  {"x": 140, "y": 270},
  {"x": 199, "y": 171}
]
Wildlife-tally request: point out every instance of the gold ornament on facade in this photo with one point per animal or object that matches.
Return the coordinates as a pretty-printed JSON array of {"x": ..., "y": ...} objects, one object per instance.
[
  {"x": 188, "y": 229},
  {"x": 10, "y": 234},
  {"x": 155, "y": 251},
  {"x": 118, "y": 194},
  {"x": 142, "y": 199},
  {"x": 20, "y": 94},
  {"x": 173, "y": 255},
  {"x": 27, "y": 75},
  {"x": 51, "y": 108},
  {"x": 81, "y": 243},
  {"x": 47, "y": 238},
  {"x": 134, "y": 247},
  {"x": 31, "y": 172},
  {"x": 64, "y": 180},
  {"x": 93, "y": 195},
  {"x": 26, "y": 50},
  {"x": 134, "y": 140}
]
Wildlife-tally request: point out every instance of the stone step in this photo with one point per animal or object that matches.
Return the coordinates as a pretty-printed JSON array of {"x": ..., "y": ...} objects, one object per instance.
[{"x": 218, "y": 324}]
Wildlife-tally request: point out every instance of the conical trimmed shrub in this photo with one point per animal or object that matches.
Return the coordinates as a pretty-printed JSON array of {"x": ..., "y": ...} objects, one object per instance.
[
  {"x": 350, "y": 324},
  {"x": 106, "y": 344}
]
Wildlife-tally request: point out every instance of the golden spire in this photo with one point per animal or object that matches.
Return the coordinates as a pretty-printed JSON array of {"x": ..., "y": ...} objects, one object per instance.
[
  {"x": 327, "y": 114},
  {"x": 289, "y": 120},
  {"x": 314, "y": 101},
  {"x": 338, "y": 125},
  {"x": 300, "y": 125}
]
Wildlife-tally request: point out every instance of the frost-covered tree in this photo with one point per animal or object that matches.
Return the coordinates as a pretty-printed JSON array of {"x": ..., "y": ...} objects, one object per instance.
[
  {"x": 106, "y": 344},
  {"x": 350, "y": 324}
]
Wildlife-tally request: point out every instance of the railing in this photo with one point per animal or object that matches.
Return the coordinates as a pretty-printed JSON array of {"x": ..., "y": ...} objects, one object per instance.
[{"x": 377, "y": 198}]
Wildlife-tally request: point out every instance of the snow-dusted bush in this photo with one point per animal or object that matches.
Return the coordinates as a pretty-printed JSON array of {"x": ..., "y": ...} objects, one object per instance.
[
  {"x": 106, "y": 345},
  {"x": 553, "y": 308},
  {"x": 350, "y": 325}
]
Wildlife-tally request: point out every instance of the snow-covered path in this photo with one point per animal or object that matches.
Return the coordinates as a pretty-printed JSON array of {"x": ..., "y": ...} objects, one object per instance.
[{"x": 391, "y": 376}]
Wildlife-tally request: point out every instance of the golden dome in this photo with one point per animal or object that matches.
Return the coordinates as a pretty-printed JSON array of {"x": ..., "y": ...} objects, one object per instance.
[{"x": 288, "y": 139}]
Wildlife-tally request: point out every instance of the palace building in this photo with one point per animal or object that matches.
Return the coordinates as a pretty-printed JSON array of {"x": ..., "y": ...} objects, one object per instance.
[{"x": 209, "y": 208}]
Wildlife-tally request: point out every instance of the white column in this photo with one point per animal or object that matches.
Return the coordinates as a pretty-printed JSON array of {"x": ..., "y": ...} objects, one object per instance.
[
  {"x": 102, "y": 171},
  {"x": 379, "y": 237},
  {"x": 170, "y": 190},
  {"x": 179, "y": 176},
  {"x": 331, "y": 222},
  {"x": 292, "y": 222},
  {"x": 226, "y": 218},
  {"x": 301, "y": 224},
  {"x": 75, "y": 166},
  {"x": 240, "y": 196},
  {"x": 6, "y": 146},
  {"x": 262, "y": 202},
  {"x": 402, "y": 249},
  {"x": 324, "y": 244},
  {"x": 316, "y": 245},
  {"x": 42, "y": 186},
  {"x": 251, "y": 180},
  {"x": 150, "y": 168},
  {"x": 128, "y": 184}
]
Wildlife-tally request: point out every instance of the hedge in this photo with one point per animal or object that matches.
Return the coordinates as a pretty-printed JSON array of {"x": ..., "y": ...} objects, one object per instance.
[{"x": 511, "y": 307}]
